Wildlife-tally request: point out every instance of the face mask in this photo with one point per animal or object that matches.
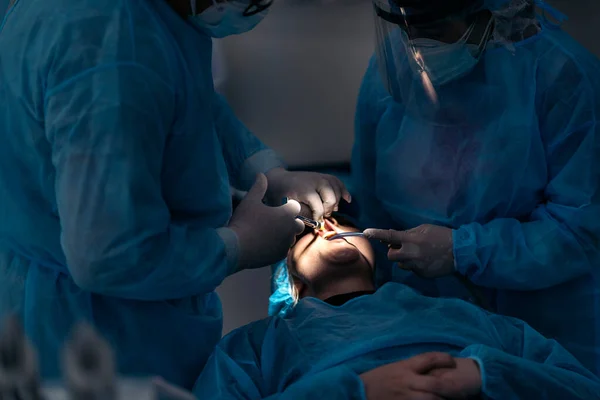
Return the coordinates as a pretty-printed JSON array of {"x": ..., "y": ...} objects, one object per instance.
[
  {"x": 225, "y": 19},
  {"x": 445, "y": 62}
]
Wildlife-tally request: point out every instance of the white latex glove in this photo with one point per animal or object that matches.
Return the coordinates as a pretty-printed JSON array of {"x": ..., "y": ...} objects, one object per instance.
[
  {"x": 426, "y": 250},
  {"x": 265, "y": 234},
  {"x": 322, "y": 193}
]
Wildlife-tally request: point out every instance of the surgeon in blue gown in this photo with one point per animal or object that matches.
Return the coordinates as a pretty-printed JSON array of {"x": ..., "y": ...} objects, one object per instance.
[
  {"x": 341, "y": 339},
  {"x": 477, "y": 155},
  {"x": 116, "y": 163}
]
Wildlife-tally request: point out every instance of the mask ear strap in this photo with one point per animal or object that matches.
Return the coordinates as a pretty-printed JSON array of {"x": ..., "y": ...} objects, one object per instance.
[{"x": 256, "y": 6}]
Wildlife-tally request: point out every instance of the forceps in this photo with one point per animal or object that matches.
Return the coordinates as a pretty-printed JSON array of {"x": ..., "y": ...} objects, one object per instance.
[{"x": 311, "y": 223}]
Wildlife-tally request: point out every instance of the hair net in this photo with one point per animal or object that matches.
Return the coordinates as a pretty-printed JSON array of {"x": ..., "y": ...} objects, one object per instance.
[{"x": 282, "y": 299}]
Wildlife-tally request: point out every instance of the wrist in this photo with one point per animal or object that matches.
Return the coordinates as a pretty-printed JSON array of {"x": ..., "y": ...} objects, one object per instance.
[
  {"x": 231, "y": 244},
  {"x": 274, "y": 192},
  {"x": 464, "y": 249},
  {"x": 275, "y": 173}
]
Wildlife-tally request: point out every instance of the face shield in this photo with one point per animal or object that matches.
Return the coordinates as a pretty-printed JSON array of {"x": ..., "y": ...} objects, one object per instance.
[
  {"x": 221, "y": 18},
  {"x": 420, "y": 50},
  {"x": 248, "y": 7}
]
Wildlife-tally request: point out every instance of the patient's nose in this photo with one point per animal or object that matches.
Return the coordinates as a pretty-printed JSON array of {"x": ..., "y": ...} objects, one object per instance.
[
  {"x": 329, "y": 226},
  {"x": 330, "y": 229}
]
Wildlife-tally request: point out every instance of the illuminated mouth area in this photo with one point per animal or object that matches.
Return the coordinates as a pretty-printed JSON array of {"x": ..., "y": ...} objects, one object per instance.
[{"x": 329, "y": 230}]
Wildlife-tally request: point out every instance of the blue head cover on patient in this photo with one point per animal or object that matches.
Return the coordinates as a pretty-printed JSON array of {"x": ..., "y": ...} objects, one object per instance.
[{"x": 281, "y": 300}]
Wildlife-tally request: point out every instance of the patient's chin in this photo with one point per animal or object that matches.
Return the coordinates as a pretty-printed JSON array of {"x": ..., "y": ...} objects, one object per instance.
[{"x": 342, "y": 254}]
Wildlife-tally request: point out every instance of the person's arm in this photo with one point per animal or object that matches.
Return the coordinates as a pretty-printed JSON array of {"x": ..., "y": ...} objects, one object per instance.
[
  {"x": 107, "y": 120},
  {"x": 235, "y": 370},
  {"x": 530, "y": 366},
  {"x": 558, "y": 242},
  {"x": 245, "y": 155}
]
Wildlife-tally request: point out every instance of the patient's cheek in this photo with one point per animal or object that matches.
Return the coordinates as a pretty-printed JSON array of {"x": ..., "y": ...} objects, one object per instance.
[{"x": 342, "y": 254}]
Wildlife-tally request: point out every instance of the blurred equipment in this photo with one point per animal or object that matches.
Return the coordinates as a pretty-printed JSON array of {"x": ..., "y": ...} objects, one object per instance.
[
  {"x": 88, "y": 366},
  {"x": 19, "y": 378}
]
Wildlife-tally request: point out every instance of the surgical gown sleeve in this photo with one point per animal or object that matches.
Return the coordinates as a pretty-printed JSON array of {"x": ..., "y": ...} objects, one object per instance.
[
  {"x": 529, "y": 366},
  {"x": 245, "y": 155},
  {"x": 369, "y": 109},
  {"x": 108, "y": 111},
  {"x": 558, "y": 241},
  {"x": 240, "y": 368}
]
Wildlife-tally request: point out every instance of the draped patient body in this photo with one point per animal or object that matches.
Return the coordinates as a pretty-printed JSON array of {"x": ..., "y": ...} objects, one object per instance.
[{"x": 342, "y": 326}]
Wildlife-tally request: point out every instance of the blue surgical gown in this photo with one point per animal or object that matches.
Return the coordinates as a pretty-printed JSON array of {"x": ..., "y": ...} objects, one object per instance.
[
  {"x": 115, "y": 170},
  {"x": 318, "y": 351},
  {"x": 516, "y": 175}
]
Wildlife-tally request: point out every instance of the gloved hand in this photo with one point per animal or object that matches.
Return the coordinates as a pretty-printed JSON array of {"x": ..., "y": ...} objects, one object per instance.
[
  {"x": 322, "y": 193},
  {"x": 265, "y": 233},
  {"x": 426, "y": 250}
]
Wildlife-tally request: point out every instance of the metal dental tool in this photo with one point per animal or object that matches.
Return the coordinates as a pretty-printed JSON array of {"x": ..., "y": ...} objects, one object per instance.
[
  {"x": 19, "y": 377},
  {"x": 311, "y": 223},
  {"x": 345, "y": 234}
]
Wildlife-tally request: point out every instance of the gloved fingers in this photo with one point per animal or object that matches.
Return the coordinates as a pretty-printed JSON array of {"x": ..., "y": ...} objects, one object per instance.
[
  {"x": 346, "y": 194},
  {"x": 328, "y": 197},
  {"x": 408, "y": 251},
  {"x": 341, "y": 190},
  {"x": 406, "y": 266},
  {"x": 259, "y": 188},
  {"x": 299, "y": 226},
  {"x": 291, "y": 208},
  {"x": 316, "y": 205},
  {"x": 305, "y": 210},
  {"x": 389, "y": 236},
  {"x": 334, "y": 184}
]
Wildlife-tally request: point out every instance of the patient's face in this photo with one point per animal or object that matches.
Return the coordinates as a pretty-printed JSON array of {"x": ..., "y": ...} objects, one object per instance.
[{"x": 315, "y": 260}]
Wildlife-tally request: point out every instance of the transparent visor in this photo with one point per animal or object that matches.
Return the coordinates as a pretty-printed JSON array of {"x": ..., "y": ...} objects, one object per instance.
[
  {"x": 251, "y": 7},
  {"x": 419, "y": 54}
]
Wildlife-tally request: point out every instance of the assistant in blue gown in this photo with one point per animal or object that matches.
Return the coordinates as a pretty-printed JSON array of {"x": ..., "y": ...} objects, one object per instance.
[
  {"x": 318, "y": 350},
  {"x": 508, "y": 157},
  {"x": 116, "y": 161}
]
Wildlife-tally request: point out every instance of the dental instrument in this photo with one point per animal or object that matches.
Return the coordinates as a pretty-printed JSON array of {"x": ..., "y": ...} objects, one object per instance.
[
  {"x": 311, "y": 223},
  {"x": 342, "y": 235}
]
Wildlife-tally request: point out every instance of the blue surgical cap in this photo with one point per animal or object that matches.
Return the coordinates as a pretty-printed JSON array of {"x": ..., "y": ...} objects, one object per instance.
[{"x": 282, "y": 299}]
